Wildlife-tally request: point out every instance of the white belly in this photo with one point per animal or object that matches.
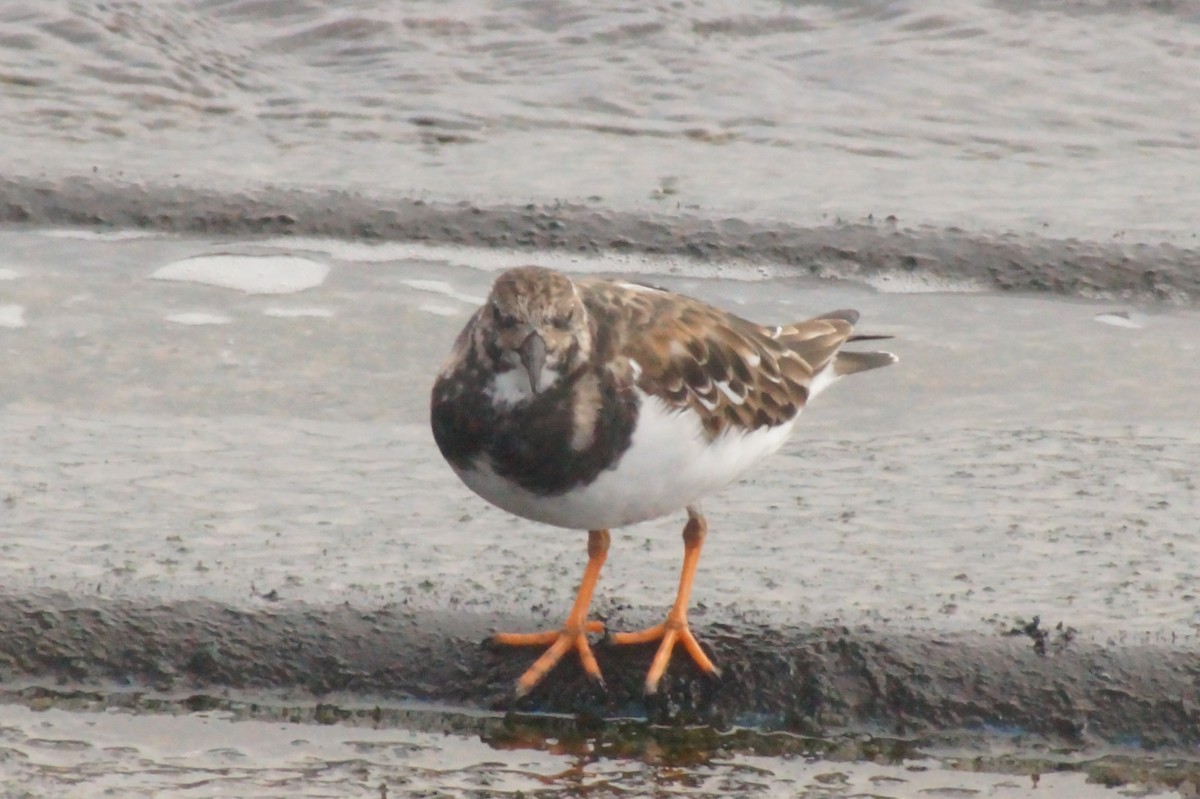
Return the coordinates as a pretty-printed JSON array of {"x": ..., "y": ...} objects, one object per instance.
[{"x": 669, "y": 465}]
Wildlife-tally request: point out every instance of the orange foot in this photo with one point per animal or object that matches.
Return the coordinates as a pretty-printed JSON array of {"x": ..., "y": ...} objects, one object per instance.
[
  {"x": 675, "y": 628},
  {"x": 574, "y": 632},
  {"x": 571, "y": 636}
]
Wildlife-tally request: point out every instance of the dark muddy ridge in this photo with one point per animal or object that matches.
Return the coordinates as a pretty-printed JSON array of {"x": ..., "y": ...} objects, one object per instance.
[
  {"x": 1110, "y": 270},
  {"x": 811, "y": 680}
]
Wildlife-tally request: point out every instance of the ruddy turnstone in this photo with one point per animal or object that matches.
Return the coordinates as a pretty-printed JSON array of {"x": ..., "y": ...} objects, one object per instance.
[{"x": 592, "y": 404}]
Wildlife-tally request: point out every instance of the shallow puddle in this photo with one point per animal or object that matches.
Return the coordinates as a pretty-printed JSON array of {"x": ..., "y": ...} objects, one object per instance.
[{"x": 79, "y": 744}]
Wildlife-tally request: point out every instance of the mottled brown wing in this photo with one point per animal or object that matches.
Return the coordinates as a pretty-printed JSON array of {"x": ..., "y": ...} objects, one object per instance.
[{"x": 732, "y": 372}]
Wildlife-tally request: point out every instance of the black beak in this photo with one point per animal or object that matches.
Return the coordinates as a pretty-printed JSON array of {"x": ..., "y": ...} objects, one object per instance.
[{"x": 533, "y": 356}]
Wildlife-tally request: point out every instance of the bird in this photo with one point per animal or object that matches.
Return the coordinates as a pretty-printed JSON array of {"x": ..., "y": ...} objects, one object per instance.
[{"x": 591, "y": 404}]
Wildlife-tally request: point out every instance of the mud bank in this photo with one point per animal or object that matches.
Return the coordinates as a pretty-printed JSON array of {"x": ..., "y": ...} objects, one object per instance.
[
  {"x": 809, "y": 680},
  {"x": 1097, "y": 269}
]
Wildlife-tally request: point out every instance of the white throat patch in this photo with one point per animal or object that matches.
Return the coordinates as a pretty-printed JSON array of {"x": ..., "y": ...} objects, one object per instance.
[{"x": 512, "y": 387}]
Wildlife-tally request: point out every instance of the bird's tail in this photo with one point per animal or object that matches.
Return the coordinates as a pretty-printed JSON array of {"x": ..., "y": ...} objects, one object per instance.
[{"x": 849, "y": 362}]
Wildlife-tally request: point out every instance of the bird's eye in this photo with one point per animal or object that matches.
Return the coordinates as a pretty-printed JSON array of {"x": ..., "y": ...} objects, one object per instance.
[
  {"x": 562, "y": 322},
  {"x": 503, "y": 320}
]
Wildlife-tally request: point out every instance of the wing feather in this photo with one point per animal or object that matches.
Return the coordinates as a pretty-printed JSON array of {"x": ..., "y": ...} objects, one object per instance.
[{"x": 733, "y": 373}]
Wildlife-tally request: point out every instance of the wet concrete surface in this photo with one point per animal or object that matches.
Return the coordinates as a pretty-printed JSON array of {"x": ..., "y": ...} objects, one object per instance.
[
  {"x": 800, "y": 679},
  {"x": 1134, "y": 270},
  {"x": 208, "y": 489}
]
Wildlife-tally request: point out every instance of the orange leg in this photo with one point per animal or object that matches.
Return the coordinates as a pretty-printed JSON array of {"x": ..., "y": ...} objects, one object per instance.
[
  {"x": 675, "y": 628},
  {"x": 574, "y": 632}
]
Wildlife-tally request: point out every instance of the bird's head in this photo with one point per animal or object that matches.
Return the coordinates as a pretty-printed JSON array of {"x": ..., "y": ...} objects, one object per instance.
[{"x": 534, "y": 327}]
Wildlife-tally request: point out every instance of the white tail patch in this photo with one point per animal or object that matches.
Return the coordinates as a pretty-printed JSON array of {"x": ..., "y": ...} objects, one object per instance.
[
  {"x": 822, "y": 380},
  {"x": 641, "y": 287}
]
